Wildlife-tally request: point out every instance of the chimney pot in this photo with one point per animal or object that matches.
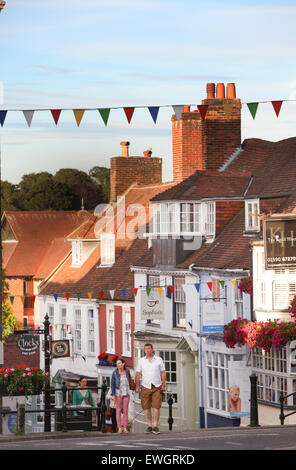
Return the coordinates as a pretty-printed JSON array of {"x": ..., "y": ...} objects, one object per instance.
[
  {"x": 186, "y": 109},
  {"x": 124, "y": 149},
  {"x": 220, "y": 93},
  {"x": 210, "y": 90},
  {"x": 147, "y": 153},
  {"x": 231, "y": 93}
]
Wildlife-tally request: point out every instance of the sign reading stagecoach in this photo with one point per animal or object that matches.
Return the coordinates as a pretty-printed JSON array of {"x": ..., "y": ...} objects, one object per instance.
[{"x": 280, "y": 243}]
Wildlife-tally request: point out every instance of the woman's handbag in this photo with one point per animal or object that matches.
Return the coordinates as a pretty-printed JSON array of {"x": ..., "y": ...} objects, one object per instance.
[{"x": 132, "y": 383}]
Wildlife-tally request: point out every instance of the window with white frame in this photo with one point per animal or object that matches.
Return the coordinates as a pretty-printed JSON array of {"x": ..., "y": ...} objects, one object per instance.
[
  {"x": 217, "y": 384},
  {"x": 107, "y": 249},
  {"x": 76, "y": 253},
  {"x": 63, "y": 322},
  {"x": 127, "y": 329},
  {"x": 210, "y": 219},
  {"x": 164, "y": 217},
  {"x": 190, "y": 217},
  {"x": 274, "y": 375},
  {"x": 283, "y": 292},
  {"x": 110, "y": 330},
  {"x": 91, "y": 331},
  {"x": 180, "y": 302},
  {"x": 252, "y": 215},
  {"x": 170, "y": 362},
  {"x": 238, "y": 300},
  {"x": 77, "y": 330},
  {"x": 259, "y": 279}
]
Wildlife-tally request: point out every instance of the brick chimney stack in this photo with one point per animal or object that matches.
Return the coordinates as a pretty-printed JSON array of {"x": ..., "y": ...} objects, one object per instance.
[
  {"x": 126, "y": 170},
  {"x": 206, "y": 144}
]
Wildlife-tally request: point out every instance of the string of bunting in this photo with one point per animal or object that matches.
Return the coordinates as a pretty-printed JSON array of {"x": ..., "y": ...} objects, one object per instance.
[
  {"x": 101, "y": 294},
  {"x": 129, "y": 111}
]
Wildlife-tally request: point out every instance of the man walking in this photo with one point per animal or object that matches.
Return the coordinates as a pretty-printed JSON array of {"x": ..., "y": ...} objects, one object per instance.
[{"x": 152, "y": 371}]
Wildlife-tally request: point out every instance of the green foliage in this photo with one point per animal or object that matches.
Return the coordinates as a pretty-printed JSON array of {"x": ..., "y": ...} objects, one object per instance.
[{"x": 9, "y": 321}]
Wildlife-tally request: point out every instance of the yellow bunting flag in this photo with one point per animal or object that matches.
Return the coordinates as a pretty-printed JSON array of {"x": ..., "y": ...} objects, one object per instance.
[
  {"x": 78, "y": 113},
  {"x": 89, "y": 295},
  {"x": 159, "y": 291},
  {"x": 233, "y": 282},
  {"x": 228, "y": 109},
  {"x": 23, "y": 299}
]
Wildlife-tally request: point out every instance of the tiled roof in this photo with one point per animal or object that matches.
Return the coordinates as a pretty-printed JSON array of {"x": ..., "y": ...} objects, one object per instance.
[
  {"x": 207, "y": 184},
  {"x": 40, "y": 241}
]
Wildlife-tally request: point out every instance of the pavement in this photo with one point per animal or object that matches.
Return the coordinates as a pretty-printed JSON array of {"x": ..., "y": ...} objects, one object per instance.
[{"x": 92, "y": 434}]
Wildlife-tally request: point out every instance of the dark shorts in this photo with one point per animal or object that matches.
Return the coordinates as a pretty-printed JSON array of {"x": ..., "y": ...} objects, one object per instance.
[{"x": 151, "y": 398}]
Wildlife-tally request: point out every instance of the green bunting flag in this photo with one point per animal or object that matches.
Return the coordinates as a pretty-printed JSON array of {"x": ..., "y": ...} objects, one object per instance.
[
  {"x": 104, "y": 112},
  {"x": 148, "y": 290},
  {"x": 222, "y": 284},
  {"x": 78, "y": 295},
  {"x": 253, "y": 108}
]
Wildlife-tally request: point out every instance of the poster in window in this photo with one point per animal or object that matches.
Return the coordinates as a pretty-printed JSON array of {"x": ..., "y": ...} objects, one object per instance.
[
  {"x": 152, "y": 304},
  {"x": 239, "y": 389}
]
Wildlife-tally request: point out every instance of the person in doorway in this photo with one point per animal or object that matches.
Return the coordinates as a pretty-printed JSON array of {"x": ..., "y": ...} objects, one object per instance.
[
  {"x": 234, "y": 399},
  {"x": 120, "y": 391},
  {"x": 83, "y": 397},
  {"x": 152, "y": 372}
]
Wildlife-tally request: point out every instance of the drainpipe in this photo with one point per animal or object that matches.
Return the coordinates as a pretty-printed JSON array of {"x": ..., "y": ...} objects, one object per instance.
[{"x": 200, "y": 372}]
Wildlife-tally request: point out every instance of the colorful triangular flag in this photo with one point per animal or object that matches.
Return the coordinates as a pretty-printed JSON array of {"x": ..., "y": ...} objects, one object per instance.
[
  {"x": 56, "y": 114},
  {"x": 233, "y": 282},
  {"x": 78, "y": 113},
  {"x": 148, "y": 290},
  {"x": 129, "y": 113},
  {"x": 33, "y": 298},
  {"x": 112, "y": 293},
  {"x": 210, "y": 285},
  {"x": 123, "y": 292},
  {"x": 11, "y": 299},
  {"x": 277, "y": 106},
  {"x": 67, "y": 295},
  {"x": 2, "y": 117},
  {"x": 253, "y": 108},
  {"x": 154, "y": 112},
  {"x": 89, "y": 295},
  {"x": 228, "y": 109},
  {"x": 101, "y": 294},
  {"x": 159, "y": 289},
  {"x": 203, "y": 108},
  {"x": 197, "y": 286},
  {"x": 29, "y": 116},
  {"x": 135, "y": 290},
  {"x": 55, "y": 297},
  {"x": 178, "y": 110},
  {"x": 172, "y": 289},
  {"x": 222, "y": 284},
  {"x": 23, "y": 299},
  {"x": 78, "y": 295},
  {"x": 104, "y": 112}
]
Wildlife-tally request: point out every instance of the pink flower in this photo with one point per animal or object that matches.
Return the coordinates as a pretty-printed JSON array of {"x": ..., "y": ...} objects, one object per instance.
[
  {"x": 29, "y": 373},
  {"x": 24, "y": 375},
  {"x": 5, "y": 375}
]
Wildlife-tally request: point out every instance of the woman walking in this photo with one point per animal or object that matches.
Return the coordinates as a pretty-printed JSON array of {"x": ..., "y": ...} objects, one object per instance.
[{"x": 120, "y": 387}]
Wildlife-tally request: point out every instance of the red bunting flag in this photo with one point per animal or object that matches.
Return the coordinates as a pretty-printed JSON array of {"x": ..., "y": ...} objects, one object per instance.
[
  {"x": 67, "y": 296},
  {"x": 203, "y": 108},
  {"x": 172, "y": 289},
  {"x": 210, "y": 285},
  {"x": 33, "y": 298},
  {"x": 56, "y": 114},
  {"x": 135, "y": 290},
  {"x": 129, "y": 113},
  {"x": 101, "y": 294},
  {"x": 277, "y": 106}
]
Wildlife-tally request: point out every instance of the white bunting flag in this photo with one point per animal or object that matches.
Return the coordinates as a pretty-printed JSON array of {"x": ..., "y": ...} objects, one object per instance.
[
  {"x": 178, "y": 110},
  {"x": 29, "y": 116},
  {"x": 112, "y": 293}
]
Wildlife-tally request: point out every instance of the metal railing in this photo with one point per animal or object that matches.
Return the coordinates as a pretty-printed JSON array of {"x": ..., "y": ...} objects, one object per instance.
[
  {"x": 283, "y": 416},
  {"x": 62, "y": 412}
]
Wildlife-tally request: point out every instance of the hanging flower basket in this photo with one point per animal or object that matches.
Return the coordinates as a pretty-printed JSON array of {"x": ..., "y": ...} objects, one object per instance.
[
  {"x": 22, "y": 380},
  {"x": 103, "y": 359},
  {"x": 292, "y": 308},
  {"x": 246, "y": 285}
]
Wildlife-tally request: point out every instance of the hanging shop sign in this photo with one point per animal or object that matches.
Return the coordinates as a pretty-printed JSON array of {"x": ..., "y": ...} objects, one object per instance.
[
  {"x": 213, "y": 316},
  {"x": 152, "y": 304},
  {"x": 280, "y": 243},
  {"x": 60, "y": 348},
  {"x": 28, "y": 344}
]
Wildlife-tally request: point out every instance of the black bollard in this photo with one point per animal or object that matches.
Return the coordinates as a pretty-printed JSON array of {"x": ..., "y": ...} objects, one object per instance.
[
  {"x": 282, "y": 414},
  {"x": 103, "y": 407},
  {"x": 64, "y": 409},
  {"x": 170, "y": 419},
  {"x": 253, "y": 405}
]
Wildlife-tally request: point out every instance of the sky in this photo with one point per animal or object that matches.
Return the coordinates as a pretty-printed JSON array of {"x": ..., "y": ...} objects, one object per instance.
[{"x": 68, "y": 54}]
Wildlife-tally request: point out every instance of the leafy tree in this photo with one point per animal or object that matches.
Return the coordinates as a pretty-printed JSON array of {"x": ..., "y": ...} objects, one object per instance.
[
  {"x": 9, "y": 200},
  {"x": 101, "y": 175},
  {"x": 9, "y": 321}
]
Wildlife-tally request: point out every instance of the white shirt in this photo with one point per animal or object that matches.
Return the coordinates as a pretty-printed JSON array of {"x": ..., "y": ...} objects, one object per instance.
[{"x": 151, "y": 371}]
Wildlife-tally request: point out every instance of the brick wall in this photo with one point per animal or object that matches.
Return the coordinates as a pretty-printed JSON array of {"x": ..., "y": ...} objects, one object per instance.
[
  {"x": 128, "y": 170},
  {"x": 13, "y": 355},
  {"x": 205, "y": 144}
]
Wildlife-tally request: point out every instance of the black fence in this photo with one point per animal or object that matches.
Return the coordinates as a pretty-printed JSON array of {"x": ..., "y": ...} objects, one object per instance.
[
  {"x": 69, "y": 417},
  {"x": 283, "y": 416}
]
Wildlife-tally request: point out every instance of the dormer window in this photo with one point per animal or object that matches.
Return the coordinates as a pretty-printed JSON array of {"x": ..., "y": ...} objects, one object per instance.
[
  {"x": 107, "y": 249},
  {"x": 252, "y": 215}
]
